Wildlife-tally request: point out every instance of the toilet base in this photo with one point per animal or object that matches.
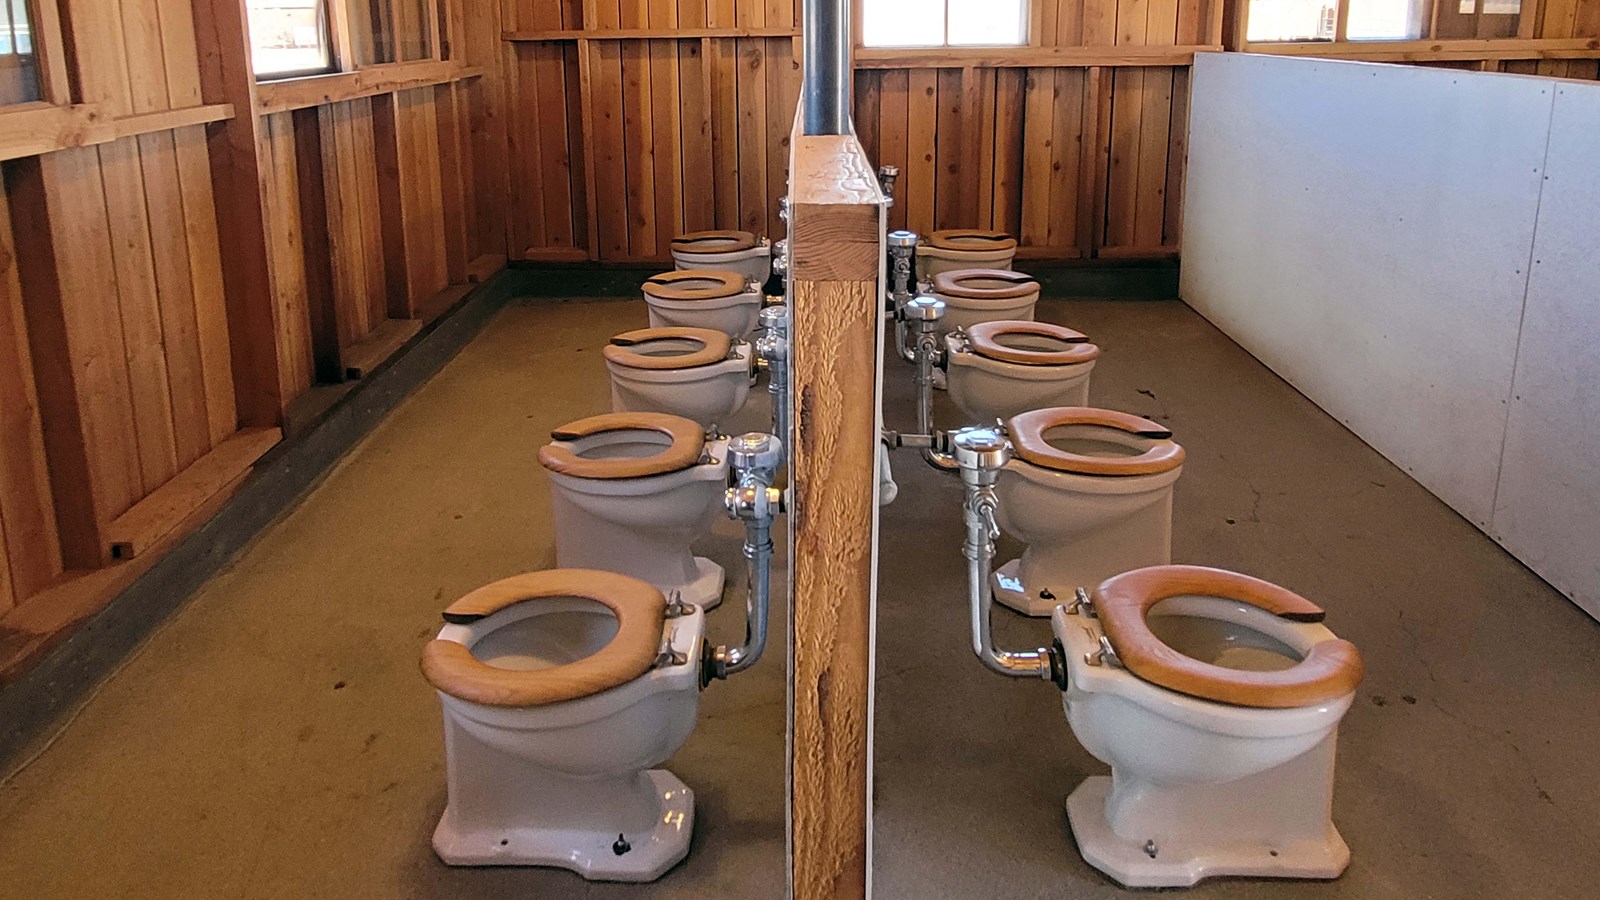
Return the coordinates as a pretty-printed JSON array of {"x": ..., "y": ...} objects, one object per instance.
[
  {"x": 705, "y": 591},
  {"x": 588, "y": 852},
  {"x": 1010, "y": 591},
  {"x": 1185, "y": 864}
]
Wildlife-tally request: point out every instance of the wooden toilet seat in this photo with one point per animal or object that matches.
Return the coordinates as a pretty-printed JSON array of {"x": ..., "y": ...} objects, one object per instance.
[
  {"x": 961, "y": 283},
  {"x": 1027, "y": 433},
  {"x": 684, "y": 285},
  {"x": 714, "y": 242},
  {"x": 639, "y": 609},
  {"x": 687, "y": 441},
  {"x": 984, "y": 338},
  {"x": 971, "y": 239},
  {"x": 714, "y": 347},
  {"x": 1330, "y": 670}
]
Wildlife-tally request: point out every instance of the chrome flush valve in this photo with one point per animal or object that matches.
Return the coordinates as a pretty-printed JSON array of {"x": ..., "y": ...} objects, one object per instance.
[
  {"x": 886, "y": 179},
  {"x": 753, "y": 462},
  {"x": 924, "y": 314},
  {"x": 902, "y": 248},
  {"x": 772, "y": 349},
  {"x": 780, "y": 257}
]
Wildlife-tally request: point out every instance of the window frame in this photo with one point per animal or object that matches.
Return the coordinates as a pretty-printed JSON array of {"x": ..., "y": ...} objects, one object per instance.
[
  {"x": 50, "y": 57},
  {"x": 343, "y": 58},
  {"x": 1425, "y": 41},
  {"x": 334, "y": 63},
  {"x": 1030, "y": 26}
]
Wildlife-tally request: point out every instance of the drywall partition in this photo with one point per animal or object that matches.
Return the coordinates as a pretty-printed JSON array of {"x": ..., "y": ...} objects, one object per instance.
[
  {"x": 1547, "y": 509},
  {"x": 1367, "y": 232}
]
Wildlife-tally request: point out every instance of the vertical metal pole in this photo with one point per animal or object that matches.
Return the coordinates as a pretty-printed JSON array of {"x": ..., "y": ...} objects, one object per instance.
[{"x": 825, "y": 86}]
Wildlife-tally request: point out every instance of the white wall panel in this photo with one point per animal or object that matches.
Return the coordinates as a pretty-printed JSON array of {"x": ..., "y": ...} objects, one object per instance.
[
  {"x": 1547, "y": 511},
  {"x": 1386, "y": 239},
  {"x": 1364, "y": 230}
]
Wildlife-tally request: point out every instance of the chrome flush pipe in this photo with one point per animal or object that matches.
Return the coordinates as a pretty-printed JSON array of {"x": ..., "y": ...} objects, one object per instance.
[
  {"x": 924, "y": 314},
  {"x": 902, "y": 249},
  {"x": 825, "y": 83},
  {"x": 753, "y": 461},
  {"x": 981, "y": 453},
  {"x": 772, "y": 348}
]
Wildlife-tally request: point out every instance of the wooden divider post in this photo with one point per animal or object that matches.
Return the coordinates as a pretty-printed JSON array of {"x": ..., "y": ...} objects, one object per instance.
[{"x": 836, "y": 227}]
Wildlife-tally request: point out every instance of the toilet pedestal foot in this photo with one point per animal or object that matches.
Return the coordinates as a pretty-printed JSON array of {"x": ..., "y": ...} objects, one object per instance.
[
  {"x": 705, "y": 591},
  {"x": 1010, "y": 591},
  {"x": 597, "y": 854},
  {"x": 1181, "y": 864}
]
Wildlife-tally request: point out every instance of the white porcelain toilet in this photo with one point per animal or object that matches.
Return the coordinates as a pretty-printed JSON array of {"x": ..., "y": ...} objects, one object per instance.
[
  {"x": 964, "y": 248},
  {"x": 696, "y": 373},
  {"x": 561, "y": 689},
  {"x": 1090, "y": 492},
  {"x": 996, "y": 370},
  {"x": 1215, "y": 698},
  {"x": 704, "y": 298},
  {"x": 631, "y": 492},
  {"x": 731, "y": 251},
  {"x": 974, "y": 296}
]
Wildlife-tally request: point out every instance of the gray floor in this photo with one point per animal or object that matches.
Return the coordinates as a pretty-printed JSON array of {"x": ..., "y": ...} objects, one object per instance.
[{"x": 276, "y": 739}]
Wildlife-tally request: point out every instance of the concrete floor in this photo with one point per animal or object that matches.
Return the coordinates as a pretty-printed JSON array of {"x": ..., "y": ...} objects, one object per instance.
[{"x": 276, "y": 740}]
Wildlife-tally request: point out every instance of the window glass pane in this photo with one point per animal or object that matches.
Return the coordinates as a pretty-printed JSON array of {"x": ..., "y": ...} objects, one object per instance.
[
  {"x": 988, "y": 22},
  {"x": 1385, "y": 20},
  {"x": 387, "y": 31},
  {"x": 19, "y": 65},
  {"x": 903, "y": 23},
  {"x": 288, "y": 36},
  {"x": 415, "y": 31},
  {"x": 1292, "y": 20}
]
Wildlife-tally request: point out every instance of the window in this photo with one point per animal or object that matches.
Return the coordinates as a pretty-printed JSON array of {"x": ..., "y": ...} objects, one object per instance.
[
  {"x": 19, "y": 62},
  {"x": 1318, "y": 20},
  {"x": 1385, "y": 20},
  {"x": 294, "y": 37},
  {"x": 289, "y": 37},
  {"x": 944, "y": 23}
]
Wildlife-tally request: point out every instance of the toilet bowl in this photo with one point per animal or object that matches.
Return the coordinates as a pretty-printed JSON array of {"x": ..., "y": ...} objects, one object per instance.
[
  {"x": 561, "y": 689},
  {"x": 1090, "y": 492},
  {"x": 703, "y": 298},
  {"x": 974, "y": 296},
  {"x": 1215, "y": 698},
  {"x": 630, "y": 493},
  {"x": 996, "y": 370},
  {"x": 696, "y": 373},
  {"x": 964, "y": 248},
  {"x": 730, "y": 251}
]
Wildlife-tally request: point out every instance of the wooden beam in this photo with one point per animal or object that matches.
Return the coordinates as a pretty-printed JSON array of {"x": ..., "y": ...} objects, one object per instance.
[
  {"x": 31, "y": 129},
  {"x": 360, "y": 359},
  {"x": 226, "y": 76},
  {"x": 368, "y": 81},
  {"x": 1031, "y": 57},
  {"x": 634, "y": 34},
  {"x": 1432, "y": 51},
  {"x": 149, "y": 522},
  {"x": 836, "y": 222}
]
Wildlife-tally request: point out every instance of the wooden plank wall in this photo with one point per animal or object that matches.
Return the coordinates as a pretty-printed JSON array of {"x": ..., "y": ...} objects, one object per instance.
[
  {"x": 118, "y": 379},
  {"x": 691, "y": 133},
  {"x": 178, "y": 274},
  {"x": 623, "y": 141}
]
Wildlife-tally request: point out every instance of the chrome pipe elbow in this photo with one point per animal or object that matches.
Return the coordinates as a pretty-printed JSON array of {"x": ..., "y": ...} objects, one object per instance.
[{"x": 981, "y": 453}]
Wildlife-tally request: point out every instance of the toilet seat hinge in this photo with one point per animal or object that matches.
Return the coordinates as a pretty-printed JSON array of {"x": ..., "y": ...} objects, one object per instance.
[
  {"x": 676, "y": 607},
  {"x": 1105, "y": 656},
  {"x": 668, "y": 655}
]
